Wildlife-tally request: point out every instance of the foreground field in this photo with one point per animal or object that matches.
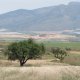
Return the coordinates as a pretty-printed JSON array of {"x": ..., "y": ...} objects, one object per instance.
[
  {"x": 40, "y": 73},
  {"x": 47, "y": 68}
]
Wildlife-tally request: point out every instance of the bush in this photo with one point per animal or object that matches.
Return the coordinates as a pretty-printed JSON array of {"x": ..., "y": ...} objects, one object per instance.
[{"x": 59, "y": 53}]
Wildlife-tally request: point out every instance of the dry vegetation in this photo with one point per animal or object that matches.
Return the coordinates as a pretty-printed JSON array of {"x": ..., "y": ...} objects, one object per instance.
[
  {"x": 48, "y": 68},
  {"x": 40, "y": 73},
  {"x": 32, "y": 63}
]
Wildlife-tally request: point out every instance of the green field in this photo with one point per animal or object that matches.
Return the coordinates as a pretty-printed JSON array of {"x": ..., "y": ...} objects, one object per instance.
[
  {"x": 72, "y": 45},
  {"x": 49, "y": 44}
]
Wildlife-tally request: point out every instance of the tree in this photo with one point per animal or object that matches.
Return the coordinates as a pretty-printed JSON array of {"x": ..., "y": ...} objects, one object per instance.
[
  {"x": 68, "y": 49},
  {"x": 59, "y": 53},
  {"x": 24, "y": 50}
]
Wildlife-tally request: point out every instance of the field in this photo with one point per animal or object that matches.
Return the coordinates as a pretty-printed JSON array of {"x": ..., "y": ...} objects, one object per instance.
[
  {"x": 38, "y": 70},
  {"x": 47, "y": 68},
  {"x": 40, "y": 73},
  {"x": 49, "y": 44},
  {"x": 72, "y": 45},
  {"x": 73, "y": 57}
]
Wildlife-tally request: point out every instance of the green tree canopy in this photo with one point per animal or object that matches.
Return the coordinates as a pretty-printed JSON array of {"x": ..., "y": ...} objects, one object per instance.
[
  {"x": 24, "y": 50},
  {"x": 59, "y": 53}
]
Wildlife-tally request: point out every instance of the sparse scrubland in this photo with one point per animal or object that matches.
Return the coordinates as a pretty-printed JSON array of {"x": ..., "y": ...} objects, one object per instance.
[{"x": 46, "y": 68}]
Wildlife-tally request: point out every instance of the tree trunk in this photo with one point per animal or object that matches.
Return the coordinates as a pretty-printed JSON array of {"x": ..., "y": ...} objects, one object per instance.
[
  {"x": 21, "y": 63},
  {"x": 61, "y": 58}
]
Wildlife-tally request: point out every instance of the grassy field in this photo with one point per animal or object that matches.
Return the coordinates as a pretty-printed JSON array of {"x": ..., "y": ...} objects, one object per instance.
[
  {"x": 48, "y": 68},
  {"x": 72, "y": 45},
  {"x": 40, "y": 73},
  {"x": 73, "y": 59},
  {"x": 49, "y": 44}
]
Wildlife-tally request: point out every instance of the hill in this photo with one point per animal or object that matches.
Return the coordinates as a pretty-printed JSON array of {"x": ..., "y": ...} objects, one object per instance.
[{"x": 54, "y": 18}]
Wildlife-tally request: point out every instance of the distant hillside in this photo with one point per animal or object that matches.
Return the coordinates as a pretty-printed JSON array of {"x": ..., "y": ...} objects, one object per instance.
[{"x": 52, "y": 18}]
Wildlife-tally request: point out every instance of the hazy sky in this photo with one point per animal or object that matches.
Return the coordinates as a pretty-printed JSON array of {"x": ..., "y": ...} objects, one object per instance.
[{"x": 10, "y": 5}]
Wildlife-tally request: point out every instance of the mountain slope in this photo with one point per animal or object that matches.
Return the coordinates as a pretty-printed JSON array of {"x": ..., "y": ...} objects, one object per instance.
[{"x": 43, "y": 19}]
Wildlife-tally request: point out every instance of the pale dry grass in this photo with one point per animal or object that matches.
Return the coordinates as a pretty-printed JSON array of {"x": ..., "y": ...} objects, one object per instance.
[
  {"x": 75, "y": 52},
  {"x": 32, "y": 63},
  {"x": 40, "y": 73}
]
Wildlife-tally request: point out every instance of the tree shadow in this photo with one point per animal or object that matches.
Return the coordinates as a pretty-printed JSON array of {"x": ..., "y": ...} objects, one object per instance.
[{"x": 55, "y": 60}]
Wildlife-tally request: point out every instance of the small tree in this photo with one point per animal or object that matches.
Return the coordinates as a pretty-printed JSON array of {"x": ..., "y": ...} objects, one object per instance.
[
  {"x": 59, "y": 53},
  {"x": 68, "y": 49},
  {"x": 24, "y": 50}
]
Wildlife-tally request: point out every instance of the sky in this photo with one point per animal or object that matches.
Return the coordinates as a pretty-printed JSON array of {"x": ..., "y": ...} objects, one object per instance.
[{"x": 10, "y": 5}]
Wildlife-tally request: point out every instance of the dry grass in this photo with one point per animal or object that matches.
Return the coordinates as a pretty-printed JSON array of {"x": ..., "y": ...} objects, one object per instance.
[
  {"x": 32, "y": 63},
  {"x": 73, "y": 58},
  {"x": 48, "y": 69},
  {"x": 40, "y": 73}
]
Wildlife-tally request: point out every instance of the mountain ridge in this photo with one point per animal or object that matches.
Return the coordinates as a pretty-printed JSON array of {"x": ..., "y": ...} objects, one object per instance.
[{"x": 61, "y": 17}]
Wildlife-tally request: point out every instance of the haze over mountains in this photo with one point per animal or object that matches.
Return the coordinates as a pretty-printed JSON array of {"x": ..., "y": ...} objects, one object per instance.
[{"x": 54, "y": 18}]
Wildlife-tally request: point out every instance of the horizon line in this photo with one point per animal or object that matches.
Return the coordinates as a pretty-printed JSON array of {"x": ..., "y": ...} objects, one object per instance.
[{"x": 38, "y": 7}]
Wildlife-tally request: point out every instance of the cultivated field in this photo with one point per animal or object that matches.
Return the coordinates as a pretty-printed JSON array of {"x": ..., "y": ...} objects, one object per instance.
[{"x": 72, "y": 45}]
